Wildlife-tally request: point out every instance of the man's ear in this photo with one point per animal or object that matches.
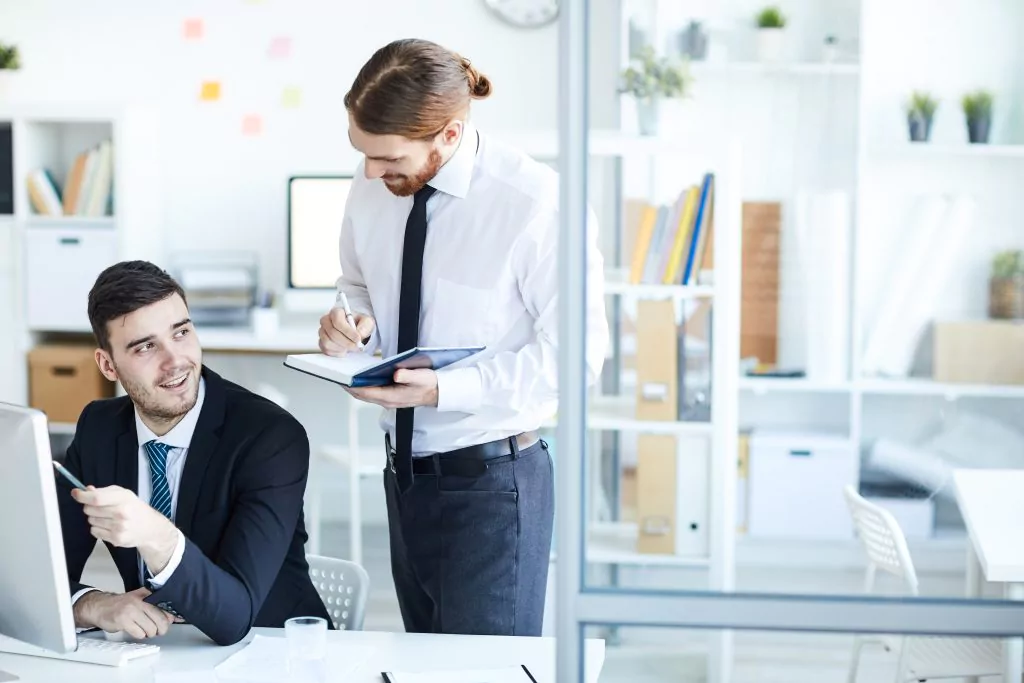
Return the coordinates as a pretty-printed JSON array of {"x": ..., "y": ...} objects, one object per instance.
[
  {"x": 452, "y": 132},
  {"x": 106, "y": 365}
]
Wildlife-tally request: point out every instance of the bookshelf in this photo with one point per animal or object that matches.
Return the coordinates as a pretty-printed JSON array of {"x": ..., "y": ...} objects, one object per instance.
[{"x": 53, "y": 252}]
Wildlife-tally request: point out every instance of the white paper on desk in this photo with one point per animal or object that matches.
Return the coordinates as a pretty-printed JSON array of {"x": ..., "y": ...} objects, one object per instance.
[
  {"x": 511, "y": 674},
  {"x": 265, "y": 660},
  {"x": 186, "y": 677}
]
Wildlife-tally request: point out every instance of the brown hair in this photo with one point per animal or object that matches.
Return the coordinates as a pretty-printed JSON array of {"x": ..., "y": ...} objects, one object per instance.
[
  {"x": 124, "y": 288},
  {"x": 413, "y": 88}
]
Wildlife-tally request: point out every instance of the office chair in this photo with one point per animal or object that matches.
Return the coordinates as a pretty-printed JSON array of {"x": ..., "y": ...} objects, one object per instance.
[
  {"x": 921, "y": 658},
  {"x": 344, "y": 587}
]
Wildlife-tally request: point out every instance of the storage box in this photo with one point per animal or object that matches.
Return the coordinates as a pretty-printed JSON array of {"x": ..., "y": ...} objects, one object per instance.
[
  {"x": 979, "y": 352},
  {"x": 63, "y": 379},
  {"x": 672, "y": 495},
  {"x": 796, "y": 485}
]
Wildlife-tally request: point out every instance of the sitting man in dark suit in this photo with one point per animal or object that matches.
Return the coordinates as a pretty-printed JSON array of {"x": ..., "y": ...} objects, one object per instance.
[{"x": 195, "y": 484}]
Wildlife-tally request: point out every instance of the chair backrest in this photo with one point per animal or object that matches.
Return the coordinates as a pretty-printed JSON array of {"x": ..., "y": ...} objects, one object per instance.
[
  {"x": 882, "y": 538},
  {"x": 344, "y": 587}
]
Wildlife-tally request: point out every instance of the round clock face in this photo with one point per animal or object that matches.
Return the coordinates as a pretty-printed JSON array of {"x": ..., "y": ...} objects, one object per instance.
[{"x": 525, "y": 13}]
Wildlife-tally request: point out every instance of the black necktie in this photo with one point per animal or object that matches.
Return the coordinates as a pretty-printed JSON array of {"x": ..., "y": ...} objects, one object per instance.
[{"x": 409, "y": 322}]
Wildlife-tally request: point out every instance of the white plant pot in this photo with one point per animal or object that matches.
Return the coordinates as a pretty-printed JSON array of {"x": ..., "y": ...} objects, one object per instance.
[
  {"x": 770, "y": 43},
  {"x": 647, "y": 116},
  {"x": 7, "y": 76}
]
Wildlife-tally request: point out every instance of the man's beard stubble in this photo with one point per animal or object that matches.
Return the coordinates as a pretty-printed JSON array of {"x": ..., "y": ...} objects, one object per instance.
[
  {"x": 144, "y": 397},
  {"x": 410, "y": 185}
]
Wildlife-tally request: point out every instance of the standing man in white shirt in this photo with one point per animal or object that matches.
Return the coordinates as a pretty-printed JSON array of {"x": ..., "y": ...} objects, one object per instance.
[{"x": 450, "y": 238}]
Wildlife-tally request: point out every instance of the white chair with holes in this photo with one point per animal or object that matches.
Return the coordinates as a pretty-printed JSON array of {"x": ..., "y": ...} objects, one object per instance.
[
  {"x": 920, "y": 658},
  {"x": 344, "y": 587}
]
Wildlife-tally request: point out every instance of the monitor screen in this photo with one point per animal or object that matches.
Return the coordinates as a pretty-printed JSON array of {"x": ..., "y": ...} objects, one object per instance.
[{"x": 316, "y": 206}]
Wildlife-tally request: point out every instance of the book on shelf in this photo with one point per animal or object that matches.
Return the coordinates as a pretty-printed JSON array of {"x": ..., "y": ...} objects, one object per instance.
[
  {"x": 673, "y": 241},
  {"x": 87, "y": 192}
]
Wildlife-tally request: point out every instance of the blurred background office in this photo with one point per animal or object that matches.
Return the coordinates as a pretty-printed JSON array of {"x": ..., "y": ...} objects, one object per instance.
[{"x": 812, "y": 220}]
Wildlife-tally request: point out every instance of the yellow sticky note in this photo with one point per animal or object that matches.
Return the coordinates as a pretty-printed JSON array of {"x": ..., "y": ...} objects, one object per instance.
[
  {"x": 252, "y": 124},
  {"x": 210, "y": 92},
  {"x": 291, "y": 96},
  {"x": 193, "y": 29}
]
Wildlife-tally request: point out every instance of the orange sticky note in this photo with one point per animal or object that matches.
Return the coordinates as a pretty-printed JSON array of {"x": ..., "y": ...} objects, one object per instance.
[
  {"x": 193, "y": 29},
  {"x": 210, "y": 91},
  {"x": 280, "y": 47},
  {"x": 252, "y": 124},
  {"x": 291, "y": 97}
]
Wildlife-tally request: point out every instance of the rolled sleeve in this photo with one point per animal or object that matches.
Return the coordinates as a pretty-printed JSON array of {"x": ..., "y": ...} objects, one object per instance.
[{"x": 459, "y": 389}]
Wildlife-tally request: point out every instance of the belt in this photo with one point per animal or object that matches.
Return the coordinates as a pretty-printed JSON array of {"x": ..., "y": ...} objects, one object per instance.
[{"x": 470, "y": 461}]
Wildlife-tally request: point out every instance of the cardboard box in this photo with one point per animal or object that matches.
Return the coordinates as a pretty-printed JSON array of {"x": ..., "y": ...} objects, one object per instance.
[
  {"x": 63, "y": 379},
  {"x": 979, "y": 352}
]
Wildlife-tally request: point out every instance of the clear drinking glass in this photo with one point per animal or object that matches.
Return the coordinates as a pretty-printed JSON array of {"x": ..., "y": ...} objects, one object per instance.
[{"x": 307, "y": 648}]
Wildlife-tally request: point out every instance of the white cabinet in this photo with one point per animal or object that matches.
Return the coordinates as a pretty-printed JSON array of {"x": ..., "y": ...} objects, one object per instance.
[
  {"x": 796, "y": 485},
  {"x": 61, "y": 267}
]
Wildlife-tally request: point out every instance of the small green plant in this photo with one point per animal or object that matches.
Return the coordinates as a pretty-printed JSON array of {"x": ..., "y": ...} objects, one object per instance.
[
  {"x": 649, "y": 77},
  {"x": 977, "y": 105},
  {"x": 1008, "y": 263},
  {"x": 922, "y": 104},
  {"x": 771, "y": 17},
  {"x": 9, "y": 57}
]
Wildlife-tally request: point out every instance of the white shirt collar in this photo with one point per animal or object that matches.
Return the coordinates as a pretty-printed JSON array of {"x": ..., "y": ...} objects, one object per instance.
[
  {"x": 180, "y": 435},
  {"x": 455, "y": 176}
]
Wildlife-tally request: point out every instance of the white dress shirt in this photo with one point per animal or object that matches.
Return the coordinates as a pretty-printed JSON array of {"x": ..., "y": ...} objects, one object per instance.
[
  {"x": 490, "y": 277},
  {"x": 180, "y": 437}
]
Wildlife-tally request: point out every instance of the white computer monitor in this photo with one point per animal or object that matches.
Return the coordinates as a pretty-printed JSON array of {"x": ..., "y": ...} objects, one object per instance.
[
  {"x": 316, "y": 206},
  {"x": 35, "y": 605}
]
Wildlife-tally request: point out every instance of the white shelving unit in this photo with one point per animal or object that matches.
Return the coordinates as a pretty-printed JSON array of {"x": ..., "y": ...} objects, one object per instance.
[{"x": 50, "y": 262}]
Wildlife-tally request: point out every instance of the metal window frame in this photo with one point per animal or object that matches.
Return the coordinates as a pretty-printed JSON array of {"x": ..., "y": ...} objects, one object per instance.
[{"x": 578, "y": 606}]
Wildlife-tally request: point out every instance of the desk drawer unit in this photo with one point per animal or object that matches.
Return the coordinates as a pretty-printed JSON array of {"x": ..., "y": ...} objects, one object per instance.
[
  {"x": 61, "y": 267},
  {"x": 796, "y": 485}
]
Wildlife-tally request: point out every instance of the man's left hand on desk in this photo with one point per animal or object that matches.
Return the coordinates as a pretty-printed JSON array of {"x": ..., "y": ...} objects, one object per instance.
[{"x": 412, "y": 389}]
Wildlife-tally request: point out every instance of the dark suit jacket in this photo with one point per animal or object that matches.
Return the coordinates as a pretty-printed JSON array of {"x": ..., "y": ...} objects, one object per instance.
[{"x": 239, "y": 508}]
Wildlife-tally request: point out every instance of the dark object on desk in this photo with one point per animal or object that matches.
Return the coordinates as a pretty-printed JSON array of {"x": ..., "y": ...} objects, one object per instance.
[
  {"x": 239, "y": 507},
  {"x": 362, "y": 370},
  {"x": 779, "y": 373},
  {"x": 6, "y": 170}
]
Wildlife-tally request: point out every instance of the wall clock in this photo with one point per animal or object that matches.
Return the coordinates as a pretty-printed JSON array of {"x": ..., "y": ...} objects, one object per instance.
[{"x": 525, "y": 13}]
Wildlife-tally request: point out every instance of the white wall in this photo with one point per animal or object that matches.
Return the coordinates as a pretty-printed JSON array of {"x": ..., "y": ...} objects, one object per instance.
[{"x": 225, "y": 190}]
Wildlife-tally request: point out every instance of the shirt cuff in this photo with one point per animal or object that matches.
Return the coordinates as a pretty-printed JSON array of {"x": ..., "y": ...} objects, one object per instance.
[
  {"x": 163, "y": 577},
  {"x": 459, "y": 389}
]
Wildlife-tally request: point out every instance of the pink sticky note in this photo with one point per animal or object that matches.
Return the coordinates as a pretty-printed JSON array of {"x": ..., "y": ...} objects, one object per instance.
[
  {"x": 193, "y": 29},
  {"x": 252, "y": 124},
  {"x": 280, "y": 47}
]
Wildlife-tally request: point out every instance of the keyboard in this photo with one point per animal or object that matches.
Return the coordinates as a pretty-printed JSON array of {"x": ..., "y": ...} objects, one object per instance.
[{"x": 90, "y": 651}]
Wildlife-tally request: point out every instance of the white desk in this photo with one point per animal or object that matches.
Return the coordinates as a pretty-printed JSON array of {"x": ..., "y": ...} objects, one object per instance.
[
  {"x": 186, "y": 650},
  {"x": 992, "y": 505},
  {"x": 288, "y": 338}
]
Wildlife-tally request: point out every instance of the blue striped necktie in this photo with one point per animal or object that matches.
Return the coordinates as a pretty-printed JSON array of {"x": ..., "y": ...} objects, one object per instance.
[{"x": 160, "y": 494}]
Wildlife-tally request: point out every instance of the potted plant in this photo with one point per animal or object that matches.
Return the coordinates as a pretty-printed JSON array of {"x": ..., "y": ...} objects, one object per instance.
[
  {"x": 978, "y": 113},
  {"x": 920, "y": 112},
  {"x": 649, "y": 80},
  {"x": 1006, "y": 286},
  {"x": 770, "y": 25},
  {"x": 10, "y": 61}
]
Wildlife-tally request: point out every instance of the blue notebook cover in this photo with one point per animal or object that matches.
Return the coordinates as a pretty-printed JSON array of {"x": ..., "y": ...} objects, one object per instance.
[{"x": 358, "y": 370}]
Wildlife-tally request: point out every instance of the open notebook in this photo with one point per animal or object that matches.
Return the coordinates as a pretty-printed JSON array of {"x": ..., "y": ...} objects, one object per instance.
[
  {"x": 361, "y": 370},
  {"x": 512, "y": 674}
]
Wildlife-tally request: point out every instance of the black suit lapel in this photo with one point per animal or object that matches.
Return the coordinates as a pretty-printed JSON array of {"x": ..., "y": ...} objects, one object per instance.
[{"x": 201, "y": 450}]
